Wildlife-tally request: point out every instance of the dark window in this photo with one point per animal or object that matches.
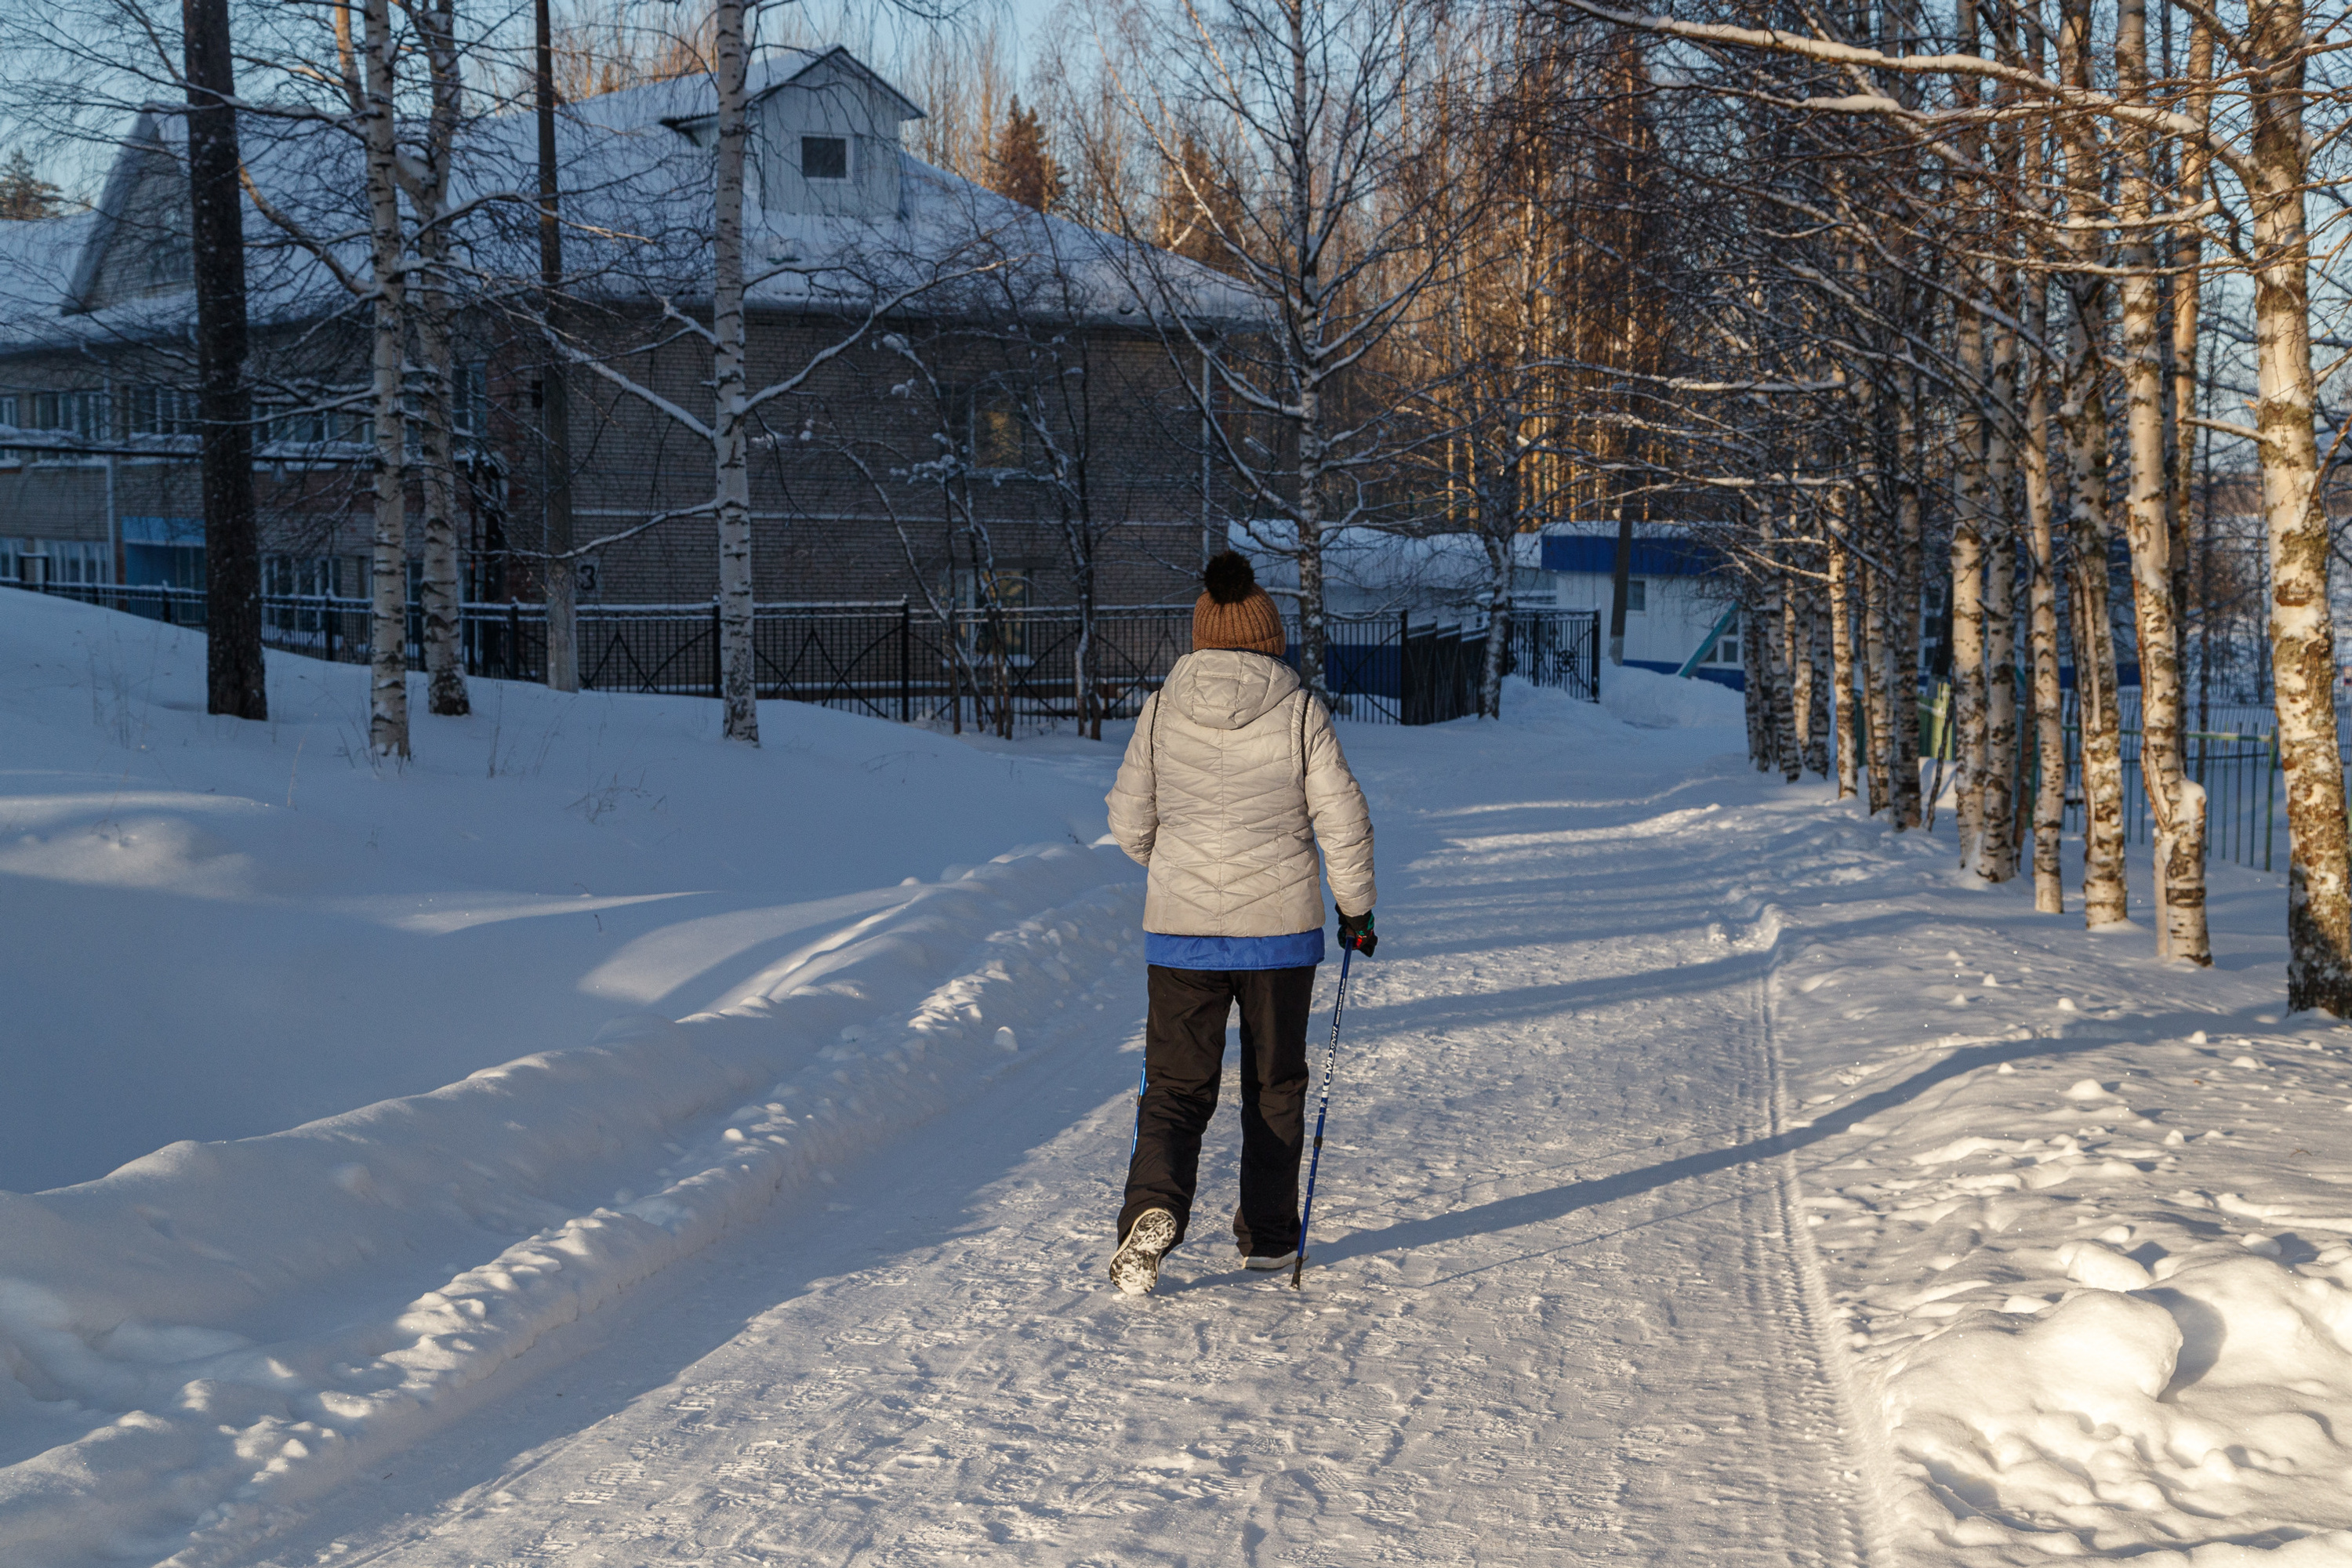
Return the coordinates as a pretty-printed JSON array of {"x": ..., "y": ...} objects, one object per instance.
[{"x": 824, "y": 157}]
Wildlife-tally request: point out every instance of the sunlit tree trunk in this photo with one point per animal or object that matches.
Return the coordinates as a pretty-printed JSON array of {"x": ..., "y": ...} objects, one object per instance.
[
  {"x": 1997, "y": 798},
  {"x": 1967, "y": 597},
  {"x": 1815, "y": 671},
  {"x": 2177, "y": 803},
  {"x": 2302, "y": 644},
  {"x": 2041, "y": 610},
  {"x": 1850, "y": 729},
  {"x": 1878, "y": 679},
  {"x": 2083, "y": 419}
]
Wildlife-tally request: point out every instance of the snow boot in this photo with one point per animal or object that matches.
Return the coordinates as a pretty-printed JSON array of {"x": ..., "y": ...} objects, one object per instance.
[
  {"x": 1269, "y": 1260},
  {"x": 1135, "y": 1268}
]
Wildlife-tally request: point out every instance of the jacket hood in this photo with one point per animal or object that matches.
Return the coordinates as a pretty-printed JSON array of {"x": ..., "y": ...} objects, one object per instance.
[{"x": 1225, "y": 688}]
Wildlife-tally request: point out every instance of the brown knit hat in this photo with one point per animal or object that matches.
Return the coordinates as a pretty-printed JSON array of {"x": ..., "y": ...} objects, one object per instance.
[{"x": 1234, "y": 611}]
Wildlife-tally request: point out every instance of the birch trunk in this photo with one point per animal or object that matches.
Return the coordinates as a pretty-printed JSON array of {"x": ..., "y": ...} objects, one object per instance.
[
  {"x": 2177, "y": 803},
  {"x": 2083, "y": 419},
  {"x": 1997, "y": 788},
  {"x": 1815, "y": 680},
  {"x": 2302, "y": 644},
  {"x": 440, "y": 592},
  {"x": 1787, "y": 750},
  {"x": 388, "y": 566},
  {"x": 2041, "y": 610},
  {"x": 1902, "y": 634},
  {"x": 729, "y": 440},
  {"x": 1754, "y": 704},
  {"x": 1849, "y": 742},
  {"x": 1498, "y": 624},
  {"x": 1877, "y": 680}
]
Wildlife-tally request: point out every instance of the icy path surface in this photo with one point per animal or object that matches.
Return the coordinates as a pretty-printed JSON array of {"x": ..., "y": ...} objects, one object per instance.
[{"x": 1560, "y": 1307}]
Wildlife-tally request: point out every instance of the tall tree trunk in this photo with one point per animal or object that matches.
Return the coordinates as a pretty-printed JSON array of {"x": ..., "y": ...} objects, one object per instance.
[
  {"x": 1499, "y": 567},
  {"x": 1878, "y": 684},
  {"x": 2041, "y": 610},
  {"x": 1968, "y": 644},
  {"x": 441, "y": 592},
  {"x": 1997, "y": 804},
  {"x": 1910, "y": 550},
  {"x": 728, "y": 437},
  {"x": 1815, "y": 681},
  {"x": 2177, "y": 802},
  {"x": 1850, "y": 729},
  {"x": 236, "y": 680},
  {"x": 560, "y": 584},
  {"x": 388, "y": 564},
  {"x": 2083, "y": 419},
  {"x": 2302, "y": 643}
]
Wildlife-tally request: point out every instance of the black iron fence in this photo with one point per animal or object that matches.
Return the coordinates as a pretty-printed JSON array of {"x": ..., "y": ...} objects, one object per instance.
[
  {"x": 2238, "y": 771},
  {"x": 993, "y": 668}
]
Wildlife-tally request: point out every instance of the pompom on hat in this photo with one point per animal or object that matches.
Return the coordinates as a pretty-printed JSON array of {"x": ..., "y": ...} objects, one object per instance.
[{"x": 1235, "y": 612}]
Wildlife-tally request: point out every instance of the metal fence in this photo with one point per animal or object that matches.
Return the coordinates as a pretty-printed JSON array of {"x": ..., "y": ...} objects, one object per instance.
[
  {"x": 1006, "y": 670},
  {"x": 2237, "y": 769}
]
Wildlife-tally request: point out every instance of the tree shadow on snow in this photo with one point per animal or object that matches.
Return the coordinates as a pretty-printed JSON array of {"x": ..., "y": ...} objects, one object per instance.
[{"x": 1558, "y": 1203}]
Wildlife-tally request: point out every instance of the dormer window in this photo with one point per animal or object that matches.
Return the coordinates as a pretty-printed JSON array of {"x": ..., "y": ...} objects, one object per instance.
[{"x": 824, "y": 157}]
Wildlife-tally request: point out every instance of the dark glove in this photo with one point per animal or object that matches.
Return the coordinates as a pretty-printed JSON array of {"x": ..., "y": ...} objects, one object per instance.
[{"x": 1356, "y": 932}]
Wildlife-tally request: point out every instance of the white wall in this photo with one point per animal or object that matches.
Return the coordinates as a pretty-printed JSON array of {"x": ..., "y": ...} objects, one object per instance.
[
  {"x": 1677, "y": 613},
  {"x": 828, "y": 100}
]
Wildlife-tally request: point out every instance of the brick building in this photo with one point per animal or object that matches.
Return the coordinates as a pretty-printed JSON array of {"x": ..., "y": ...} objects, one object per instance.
[{"x": 955, "y": 398}]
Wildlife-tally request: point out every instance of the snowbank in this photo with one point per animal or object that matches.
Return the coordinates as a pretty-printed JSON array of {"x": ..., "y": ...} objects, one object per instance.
[
  {"x": 2088, "y": 1233},
  {"x": 219, "y": 1327},
  {"x": 1656, "y": 701},
  {"x": 214, "y": 929},
  {"x": 158, "y": 1301}
]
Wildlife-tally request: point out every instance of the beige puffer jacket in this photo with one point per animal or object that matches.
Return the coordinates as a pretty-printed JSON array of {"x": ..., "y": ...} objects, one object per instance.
[{"x": 1233, "y": 776}]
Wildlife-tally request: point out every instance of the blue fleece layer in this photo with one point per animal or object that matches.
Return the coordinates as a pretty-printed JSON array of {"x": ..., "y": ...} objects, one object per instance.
[{"x": 1295, "y": 950}]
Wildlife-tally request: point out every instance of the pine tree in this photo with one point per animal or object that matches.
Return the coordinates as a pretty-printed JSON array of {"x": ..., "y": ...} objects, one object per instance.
[
  {"x": 23, "y": 192},
  {"x": 1025, "y": 169}
]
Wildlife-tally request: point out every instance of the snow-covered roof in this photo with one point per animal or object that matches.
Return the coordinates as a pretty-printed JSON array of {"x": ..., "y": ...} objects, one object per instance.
[{"x": 637, "y": 212}]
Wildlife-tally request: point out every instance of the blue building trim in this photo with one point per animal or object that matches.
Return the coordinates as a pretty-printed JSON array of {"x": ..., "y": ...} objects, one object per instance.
[
  {"x": 1728, "y": 675},
  {"x": 1597, "y": 553}
]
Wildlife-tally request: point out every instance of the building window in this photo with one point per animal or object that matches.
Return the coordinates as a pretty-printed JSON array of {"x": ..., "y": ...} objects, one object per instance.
[
  {"x": 999, "y": 439},
  {"x": 824, "y": 157},
  {"x": 80, "y": 414},
  {"x": 158, "y": 411},
  {"x": 982, "y": 600},
  {"x": 469, "y": 399},
  {"x": 1725, "y": 650},
  {"x": 164, "y": 552},
  {"x": 32, "y": 561},
  {"x": 1637, "y": 596}
]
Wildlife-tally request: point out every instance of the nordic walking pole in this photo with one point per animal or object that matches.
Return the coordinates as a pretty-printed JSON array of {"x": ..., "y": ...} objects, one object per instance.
[{"x": 1330, "y": 1056}]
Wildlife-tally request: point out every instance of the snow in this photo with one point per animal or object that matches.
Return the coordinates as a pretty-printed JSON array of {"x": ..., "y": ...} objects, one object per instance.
[
  {"x": 1713, "y": 1175},
  {"x": 1658, "y": 701}
]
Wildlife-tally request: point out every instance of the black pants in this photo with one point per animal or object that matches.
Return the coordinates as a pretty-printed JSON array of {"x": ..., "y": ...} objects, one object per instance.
[{"x": 1183, "y": 1053}]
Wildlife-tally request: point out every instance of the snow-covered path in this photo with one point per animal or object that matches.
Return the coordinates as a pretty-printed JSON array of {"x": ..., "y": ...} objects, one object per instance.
[{"x": 1558, "y": 1309}]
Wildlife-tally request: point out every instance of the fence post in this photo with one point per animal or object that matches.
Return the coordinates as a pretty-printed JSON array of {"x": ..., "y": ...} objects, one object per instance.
[
  {"x": 514, "y": 641},
  {"x": 718, "y": 676},
  {"x": 2270, "y": 801},
  {"x": 1405, "y": 666},
  {"x": 905, "y": 662}
]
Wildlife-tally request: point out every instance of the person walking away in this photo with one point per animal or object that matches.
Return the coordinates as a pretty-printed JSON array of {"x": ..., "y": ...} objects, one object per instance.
[{"x": 1233, "y": 780}]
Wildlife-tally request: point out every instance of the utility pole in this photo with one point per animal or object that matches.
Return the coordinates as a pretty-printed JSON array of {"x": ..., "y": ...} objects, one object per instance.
[
  {"x": 235, "y": 680},
  {"x": 554, "y": 412}
]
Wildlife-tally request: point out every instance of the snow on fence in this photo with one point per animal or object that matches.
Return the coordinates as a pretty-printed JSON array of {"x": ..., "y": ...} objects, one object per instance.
[{"x": 1003, "y": 668}]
